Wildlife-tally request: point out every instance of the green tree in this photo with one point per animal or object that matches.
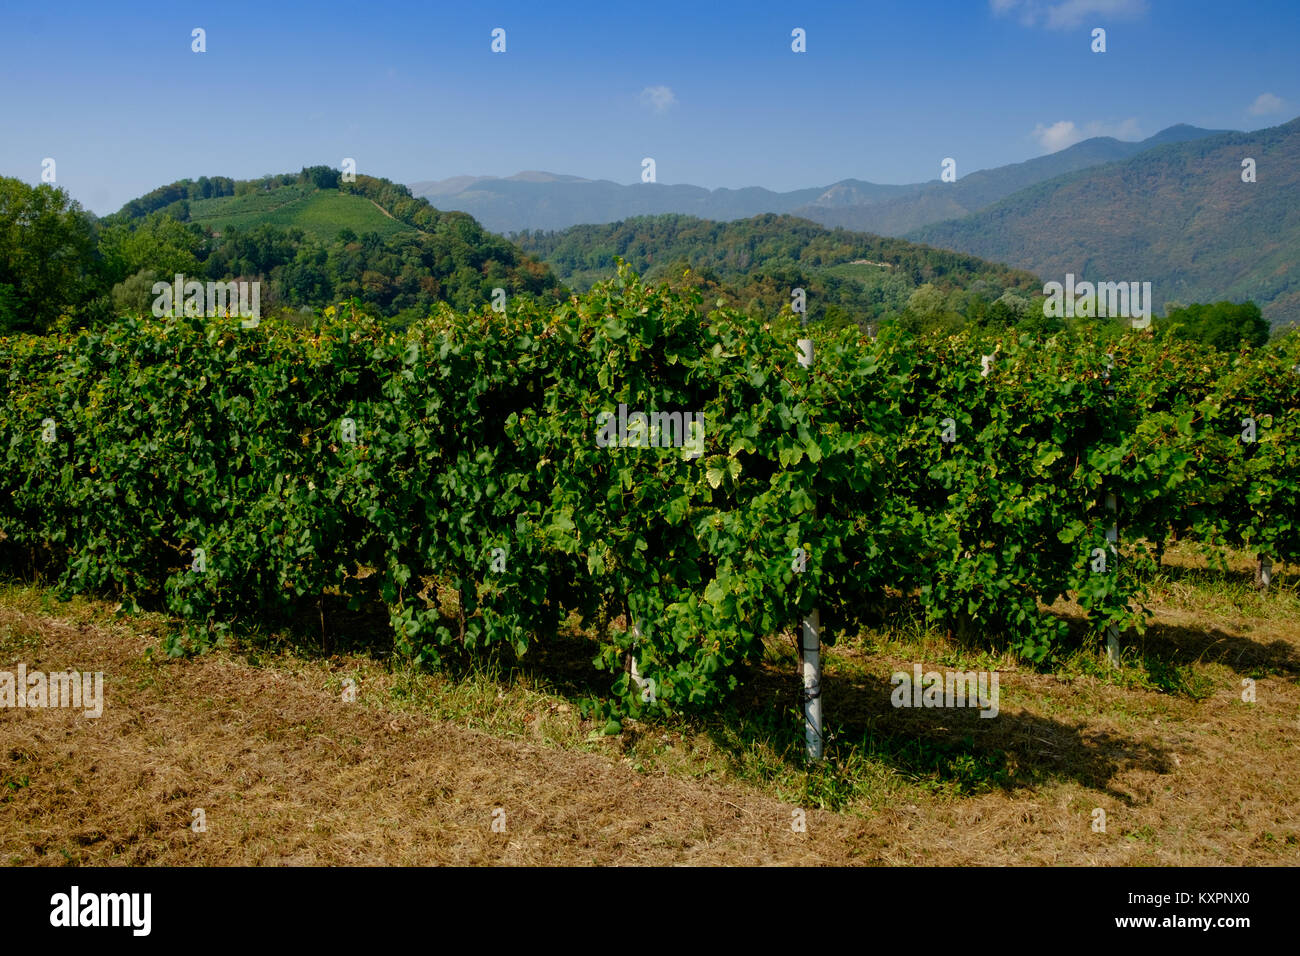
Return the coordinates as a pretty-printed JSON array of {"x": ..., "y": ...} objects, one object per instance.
[
  {"x": 47, "y": 254},
  {"x": 927, "y": 309},
  {"x": 1223, "y": 325},
  {"x": 159, "y": 243},
  {"x": 10, "y": 310},
  {"x": 135, "y": 293}
]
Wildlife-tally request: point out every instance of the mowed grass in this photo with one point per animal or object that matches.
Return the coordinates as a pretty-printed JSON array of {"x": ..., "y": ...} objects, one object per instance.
[
  {"x": 322, "y": 213},
  {"x": 420, "y": 765}
]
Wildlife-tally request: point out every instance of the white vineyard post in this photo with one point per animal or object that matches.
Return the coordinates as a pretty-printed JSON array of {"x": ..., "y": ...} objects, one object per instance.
[
  {"x": 1112, "y": 538},
  {"x": 812, "y": 684},
  {"x": 1112, "y": 533},
  {"x": 1264, "y": 576},
  {"x": 810, "y": 658},
  {"x": 636, "y": 643}
]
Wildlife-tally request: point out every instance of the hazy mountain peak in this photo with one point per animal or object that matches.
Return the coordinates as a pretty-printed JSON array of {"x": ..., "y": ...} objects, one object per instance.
[
  {"x": 1181, "y": 133},
  {"x": 444, "y": 187},
  {"x": 537, "y": 176}
]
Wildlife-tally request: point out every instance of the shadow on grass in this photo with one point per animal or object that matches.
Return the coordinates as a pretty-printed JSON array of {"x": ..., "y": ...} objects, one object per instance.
[
  {"x": 561, "y": 663},
  {"x": 1167, "y": 653},
  {"x": 1178, "y": 644},
  {"x": 951, "y": 750},
  {"x": 1215, "y": 575}
]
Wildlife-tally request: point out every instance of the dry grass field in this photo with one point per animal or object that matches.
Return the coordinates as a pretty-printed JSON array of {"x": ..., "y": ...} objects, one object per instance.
[{"x": 494, "y": 764}]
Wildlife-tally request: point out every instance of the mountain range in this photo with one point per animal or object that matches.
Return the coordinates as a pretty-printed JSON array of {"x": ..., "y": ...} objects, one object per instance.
[
  {"x": 1180, "y": 215},
  {"x": 538, "y": 200},
  {"x": 1166, "y": 209}
]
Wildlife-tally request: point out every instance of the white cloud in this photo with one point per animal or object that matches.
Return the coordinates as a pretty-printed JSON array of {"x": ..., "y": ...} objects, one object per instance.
[
  {"x": 1067, "y": 14},
  {"x": 1065, "y": 133},
  {"x": 658, "y": 98},
  {"x": 1266, "y": 103},
  {"x": 1057, "y": 136}
]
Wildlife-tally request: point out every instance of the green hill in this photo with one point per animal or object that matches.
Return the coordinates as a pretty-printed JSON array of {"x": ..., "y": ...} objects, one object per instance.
[
  {"x": 313, "y": 239},
  {"x": 319, "y": 212}
]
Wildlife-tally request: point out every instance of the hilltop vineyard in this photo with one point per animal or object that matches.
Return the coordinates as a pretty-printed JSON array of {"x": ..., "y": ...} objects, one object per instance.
[{"x": 234, "y": 475}]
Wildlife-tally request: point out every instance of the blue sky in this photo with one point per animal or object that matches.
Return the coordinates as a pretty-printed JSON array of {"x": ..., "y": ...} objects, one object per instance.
[{"x": 712, "y": 91}]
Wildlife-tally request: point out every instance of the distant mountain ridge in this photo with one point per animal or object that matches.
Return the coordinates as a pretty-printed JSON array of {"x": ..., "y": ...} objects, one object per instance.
[
  {"x": 549, "y": 201},
  {"x": 938, "y": 201},
  {"x": 540, "y": 200}
]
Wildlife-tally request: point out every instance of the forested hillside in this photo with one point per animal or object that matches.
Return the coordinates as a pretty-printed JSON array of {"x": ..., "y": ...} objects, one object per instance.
[
  {"x": 1180, "y": 216},
  {"x": 936, "y": 201},
  {"x": 755, "y": 263}
]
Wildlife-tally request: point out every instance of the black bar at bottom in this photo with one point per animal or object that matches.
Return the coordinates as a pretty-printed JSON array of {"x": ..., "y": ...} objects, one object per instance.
[{"x": 341, "y": 907}]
